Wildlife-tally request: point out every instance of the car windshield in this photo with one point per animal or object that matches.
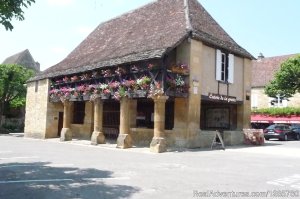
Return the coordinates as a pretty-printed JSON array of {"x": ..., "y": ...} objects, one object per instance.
[{"x": 271, "y": 127}]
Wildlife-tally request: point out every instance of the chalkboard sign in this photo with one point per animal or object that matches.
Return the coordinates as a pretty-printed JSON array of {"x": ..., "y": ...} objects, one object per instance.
[{"x": 217, "y": 141}]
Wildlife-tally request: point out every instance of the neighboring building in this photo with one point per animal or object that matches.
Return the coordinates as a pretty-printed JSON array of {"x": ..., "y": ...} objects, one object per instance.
[
  {"x": 23, "y": 58},
  {"x": 200, "y": 81},
  {"x": 263, "y": 71},
  {"x": 15, "y": 116}
]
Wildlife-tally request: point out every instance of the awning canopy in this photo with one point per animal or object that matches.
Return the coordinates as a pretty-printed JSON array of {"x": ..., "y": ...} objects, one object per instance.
[{"x": 274, "y": 119}]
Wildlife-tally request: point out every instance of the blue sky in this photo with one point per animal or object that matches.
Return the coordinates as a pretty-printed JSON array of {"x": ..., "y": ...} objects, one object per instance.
[{"x": 53, "y": 28}]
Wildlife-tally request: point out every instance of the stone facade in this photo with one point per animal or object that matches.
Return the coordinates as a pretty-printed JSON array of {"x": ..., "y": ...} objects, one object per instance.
[
  {"x": 260, "y": 100},
  {"x": 42, "y": 116}
]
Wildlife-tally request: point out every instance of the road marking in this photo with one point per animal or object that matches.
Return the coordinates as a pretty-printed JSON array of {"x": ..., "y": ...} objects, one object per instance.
[{"x": 29, "y": 157}]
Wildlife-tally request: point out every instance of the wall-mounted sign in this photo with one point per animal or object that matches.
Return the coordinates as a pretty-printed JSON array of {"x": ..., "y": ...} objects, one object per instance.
[{"x": 223, "y": 98}]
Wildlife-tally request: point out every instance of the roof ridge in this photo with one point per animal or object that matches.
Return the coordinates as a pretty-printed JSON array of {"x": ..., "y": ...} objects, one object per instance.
[{"x": 187, "y": 15}]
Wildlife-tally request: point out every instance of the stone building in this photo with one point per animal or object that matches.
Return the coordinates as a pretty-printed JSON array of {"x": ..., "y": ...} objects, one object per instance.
[
  {"x": 263, "y": 71},
  {"x": 23, "y": 58},
  {"x": 164, "y": 75}
]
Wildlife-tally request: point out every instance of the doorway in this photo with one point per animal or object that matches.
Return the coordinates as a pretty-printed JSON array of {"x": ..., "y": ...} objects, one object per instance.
[{"x": 60, "y": 122}]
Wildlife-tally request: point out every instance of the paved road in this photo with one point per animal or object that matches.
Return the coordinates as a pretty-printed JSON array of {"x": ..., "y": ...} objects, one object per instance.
[{"x": 49, "y": 169}]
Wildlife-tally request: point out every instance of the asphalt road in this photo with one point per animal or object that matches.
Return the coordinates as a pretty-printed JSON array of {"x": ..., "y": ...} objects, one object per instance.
[{"x": 49, "y": 169}]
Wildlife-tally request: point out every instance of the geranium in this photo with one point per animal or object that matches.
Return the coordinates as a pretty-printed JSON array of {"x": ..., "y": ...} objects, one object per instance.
[{"x": 114, "y": 85}]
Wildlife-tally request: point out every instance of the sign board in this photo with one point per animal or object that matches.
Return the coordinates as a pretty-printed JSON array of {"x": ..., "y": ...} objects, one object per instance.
[
  {"x": 223, "y": 98},
  {"x": 217, "y": 141}
]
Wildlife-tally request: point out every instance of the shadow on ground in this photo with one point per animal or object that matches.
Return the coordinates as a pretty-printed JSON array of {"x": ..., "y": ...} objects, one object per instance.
[{"x": 38, "y": 180}]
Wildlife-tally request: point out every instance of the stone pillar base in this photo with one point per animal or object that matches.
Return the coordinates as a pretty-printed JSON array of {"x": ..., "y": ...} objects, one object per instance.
[
  {"x": 97, "y": 138},
  {"x": 158, "y": 145},
  {"x": 65, "y": 134},
  {"x": 124, "y": 141}
]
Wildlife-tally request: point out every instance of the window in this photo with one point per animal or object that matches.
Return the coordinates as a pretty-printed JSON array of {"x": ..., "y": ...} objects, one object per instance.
[
  {"x": 36, "y": 88},
  {"x": 224, "y": 67},
  {"x": 79, "y": 112}
]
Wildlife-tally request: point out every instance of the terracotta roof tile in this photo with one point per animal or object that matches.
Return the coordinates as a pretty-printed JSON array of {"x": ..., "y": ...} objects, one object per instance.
[{"x": 264, "y": 69}]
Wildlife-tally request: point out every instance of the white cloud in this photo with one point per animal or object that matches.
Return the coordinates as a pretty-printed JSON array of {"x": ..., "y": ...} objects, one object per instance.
[{"x": 60, "y": 2}]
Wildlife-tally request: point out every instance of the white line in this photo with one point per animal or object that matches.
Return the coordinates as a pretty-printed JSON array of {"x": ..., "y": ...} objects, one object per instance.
[
  {"x": 25, "y": 181},
  {"x": 29, "y": 157}
]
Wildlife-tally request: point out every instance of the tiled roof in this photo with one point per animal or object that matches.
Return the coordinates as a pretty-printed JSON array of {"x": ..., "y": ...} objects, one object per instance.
[
  {"x": 145, "y": 33},
  {"x": 264, "y": 69}
]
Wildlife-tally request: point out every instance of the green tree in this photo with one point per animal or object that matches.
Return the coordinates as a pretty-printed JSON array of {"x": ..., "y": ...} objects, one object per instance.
[
  {"x": 287, "y": 79},
  {"x": 13, "y": 85},
  {"x": 12, "y": 9}
]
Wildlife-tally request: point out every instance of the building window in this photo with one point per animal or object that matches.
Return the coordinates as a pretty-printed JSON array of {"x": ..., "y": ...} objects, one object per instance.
[
  {"x": 36, "y": 87},
  {"x": 79, "y": 112},
  {"x": 224, "y": 67}
]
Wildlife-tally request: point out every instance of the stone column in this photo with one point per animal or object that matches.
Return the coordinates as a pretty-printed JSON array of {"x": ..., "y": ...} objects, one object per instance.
[
  {"x": 98, "y": 136},
  {"x": 124, "y": 139},
  {"x": 66, "y": 133},
  {"x": 159, "y": 143}
]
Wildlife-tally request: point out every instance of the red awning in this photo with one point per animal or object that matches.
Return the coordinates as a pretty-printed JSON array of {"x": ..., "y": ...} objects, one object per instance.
[{"x": 274, "y": 119}]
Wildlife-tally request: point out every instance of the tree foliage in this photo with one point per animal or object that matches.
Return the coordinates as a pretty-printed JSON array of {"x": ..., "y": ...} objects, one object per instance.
[
  {"x": 287, "y": 80},
  {"x": 12, "y": 9},
  {"x": 13, "y": 85}
]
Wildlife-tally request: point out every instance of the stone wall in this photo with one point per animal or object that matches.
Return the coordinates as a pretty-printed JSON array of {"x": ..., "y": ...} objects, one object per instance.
[
  {"x": 261, "y": 100},
  {"x": 36, "y": 109}
]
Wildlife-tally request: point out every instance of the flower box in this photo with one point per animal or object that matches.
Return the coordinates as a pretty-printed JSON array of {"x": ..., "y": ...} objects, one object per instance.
[
  {"x": 105, "y": 96},
  {"x": 54, "y": 99},
  {"x": 74, "y": 98},
  {"x": 86, "y": 97},
  {"x": 141, "y": 93}
]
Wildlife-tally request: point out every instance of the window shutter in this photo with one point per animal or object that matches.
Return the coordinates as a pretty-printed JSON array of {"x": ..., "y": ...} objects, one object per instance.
[
  {"x": 230, "y": 68},
  {"x": 218, "y": 65}
]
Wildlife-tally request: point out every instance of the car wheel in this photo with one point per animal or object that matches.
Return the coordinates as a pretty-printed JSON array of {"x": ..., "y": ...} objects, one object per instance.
[
  {"x": 297, "y": 137},
  {"x": 285, "y": 137}
]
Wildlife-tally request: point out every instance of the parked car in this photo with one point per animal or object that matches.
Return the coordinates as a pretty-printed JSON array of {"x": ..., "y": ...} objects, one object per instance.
[
  {"x": 281, "y": 132},
  {"x": 296, "y": 128}
]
